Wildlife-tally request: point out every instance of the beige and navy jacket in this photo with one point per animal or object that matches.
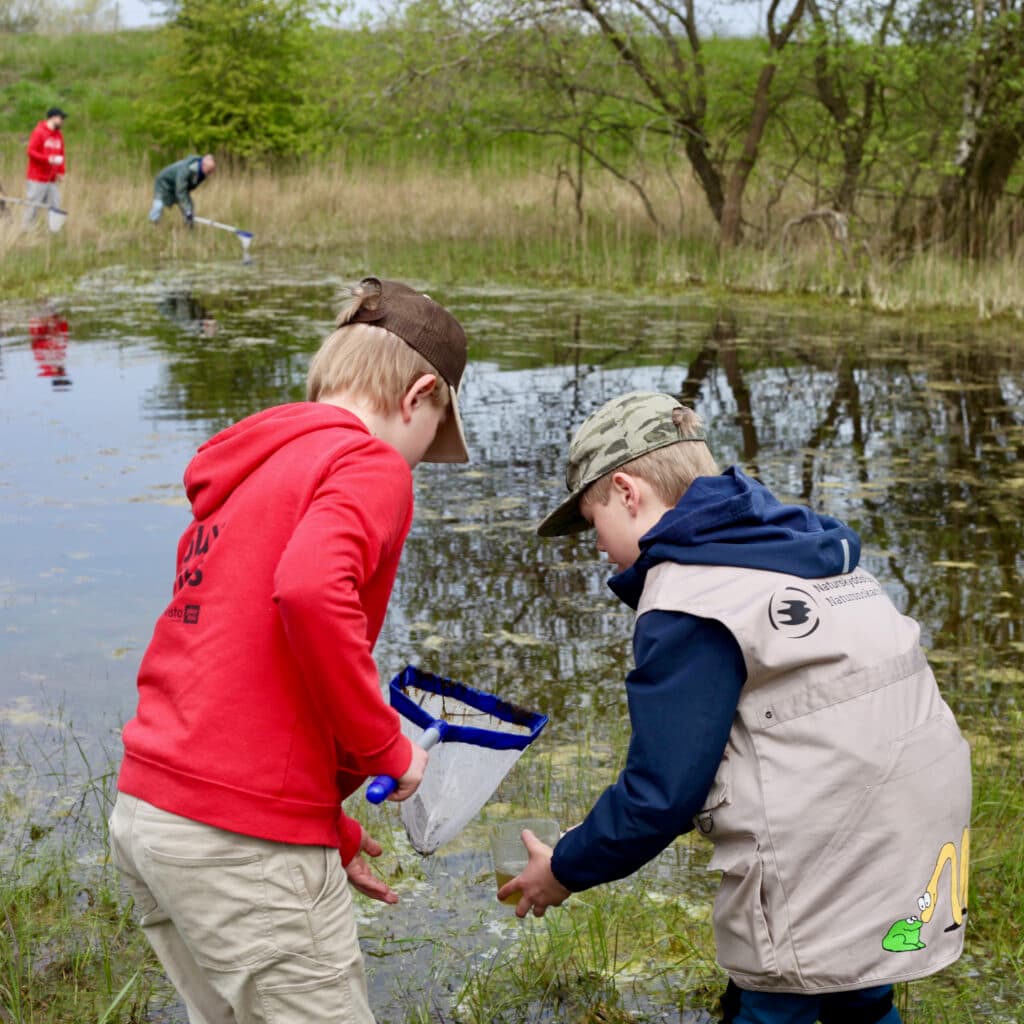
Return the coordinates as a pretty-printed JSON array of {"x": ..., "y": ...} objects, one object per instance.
[{"x": 839, "y": 813}]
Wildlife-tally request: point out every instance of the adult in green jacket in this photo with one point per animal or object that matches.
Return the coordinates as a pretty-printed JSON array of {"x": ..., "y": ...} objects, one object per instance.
[{"x": 176, "y": 181}]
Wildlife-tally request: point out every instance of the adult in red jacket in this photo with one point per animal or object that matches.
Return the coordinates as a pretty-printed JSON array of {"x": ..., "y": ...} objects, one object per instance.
[{"x": 46, "y": 164}]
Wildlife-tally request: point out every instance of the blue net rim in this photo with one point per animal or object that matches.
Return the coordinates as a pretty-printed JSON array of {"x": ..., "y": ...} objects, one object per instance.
[{"x": 486, "y": 703}]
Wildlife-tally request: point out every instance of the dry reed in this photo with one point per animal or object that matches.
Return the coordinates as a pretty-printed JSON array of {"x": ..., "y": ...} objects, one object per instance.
[{"x": 491, "y": 223}]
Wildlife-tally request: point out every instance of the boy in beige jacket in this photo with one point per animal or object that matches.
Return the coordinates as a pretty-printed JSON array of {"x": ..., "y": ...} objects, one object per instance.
[{"x": 781, "y": 705}]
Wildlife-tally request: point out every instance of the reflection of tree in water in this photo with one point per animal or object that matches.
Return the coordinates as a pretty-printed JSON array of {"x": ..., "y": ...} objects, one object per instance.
[
  {"x": 921, "y": 440},
  {"x": 720, "y": 348},
  {"x": 915, "y": 441},
  {"x": 572, "y": 353},
  {"x": 915, "y": 445},
  {"x": 966, "y": 502},
  {"x": 217, "y": 373}
]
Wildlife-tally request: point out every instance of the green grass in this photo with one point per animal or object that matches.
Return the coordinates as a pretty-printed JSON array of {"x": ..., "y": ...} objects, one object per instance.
[
  {"x": 496, "y": 224},
  {"x": 424, "y": 185},
  {"x": 100, "y": 80},
  {"x": 69, "y": 950}
]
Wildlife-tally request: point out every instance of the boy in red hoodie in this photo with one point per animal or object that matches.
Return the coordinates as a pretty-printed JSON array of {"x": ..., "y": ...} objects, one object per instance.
[
  {"x": 46, "y": 164},
  {"x": 260, "y": 707}
]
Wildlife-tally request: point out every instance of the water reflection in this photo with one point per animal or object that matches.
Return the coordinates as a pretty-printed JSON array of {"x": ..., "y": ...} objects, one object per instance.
[
  {"x": 186, "y": 311},
  {"x": 916, "y": 438},
  {"x": 917, "y": 445},
  {"x": 48, "y": 330}
]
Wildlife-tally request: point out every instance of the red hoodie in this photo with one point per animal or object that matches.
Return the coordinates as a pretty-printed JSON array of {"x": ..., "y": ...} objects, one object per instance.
[
  {"x": 260, "y": 706},
  {"x": 45, "y": 142}
]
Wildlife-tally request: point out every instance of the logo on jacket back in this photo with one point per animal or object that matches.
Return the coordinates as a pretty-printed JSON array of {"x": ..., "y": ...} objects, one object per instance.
[
  {"x": 793, "y": 612},
  {"x": 191, "y": 571},
  {"x": 189, "y": 614}
]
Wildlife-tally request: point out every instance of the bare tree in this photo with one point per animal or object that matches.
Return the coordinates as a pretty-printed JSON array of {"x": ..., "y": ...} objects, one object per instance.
[
  {"x": 583, "y": 110},
  {"x": 635, "y": 90},
  {"x": 58, "y": 17},
  {"x": 17, "y": 16},
  {"x": 660, "y": 90},
  {"x": 677, "y": 86},
  {"x": 850, "y": 91}
]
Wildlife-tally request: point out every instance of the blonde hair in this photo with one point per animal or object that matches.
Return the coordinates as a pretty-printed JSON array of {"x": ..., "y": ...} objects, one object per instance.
[
  {"x": 669, "y": 470},
  {"x": 371, "y": 362}
]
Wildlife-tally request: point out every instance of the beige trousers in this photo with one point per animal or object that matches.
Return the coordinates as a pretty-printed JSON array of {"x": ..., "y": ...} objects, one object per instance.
[{"x": 249, "y": 931}]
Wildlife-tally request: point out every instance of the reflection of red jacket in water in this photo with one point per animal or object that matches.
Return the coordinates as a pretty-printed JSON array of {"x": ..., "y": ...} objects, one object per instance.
[
  {"x": 49, "y": 343},
  {"x": 45, "y": 154}
]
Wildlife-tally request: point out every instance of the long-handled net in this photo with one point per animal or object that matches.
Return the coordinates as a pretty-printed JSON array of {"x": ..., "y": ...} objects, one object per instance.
[
  {"x": 245, "y": 237},
  {"x": 479, "y": 738},
  {"x": 54, "y": 217}
]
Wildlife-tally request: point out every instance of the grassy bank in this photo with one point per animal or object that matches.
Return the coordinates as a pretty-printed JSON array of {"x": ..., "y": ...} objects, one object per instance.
[
  {"x": 427, "y": 180},
  {"x": 70, "y": 952},
  {"x": 499, "y": 222}
]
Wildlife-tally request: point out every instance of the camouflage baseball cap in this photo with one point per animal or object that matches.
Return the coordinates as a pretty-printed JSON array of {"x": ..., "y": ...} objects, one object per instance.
[{"x": 621, "y": 430}]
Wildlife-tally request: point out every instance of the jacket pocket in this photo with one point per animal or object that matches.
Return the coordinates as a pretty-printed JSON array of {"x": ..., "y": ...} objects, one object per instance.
[
  {"x": 309, "y": 867},
  {"x": 718, "y": 797},
  {"x": 741, "y": 927}
]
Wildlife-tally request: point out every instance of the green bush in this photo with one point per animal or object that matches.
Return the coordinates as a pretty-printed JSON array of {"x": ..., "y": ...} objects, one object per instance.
[{"x": 237, "y": 79}]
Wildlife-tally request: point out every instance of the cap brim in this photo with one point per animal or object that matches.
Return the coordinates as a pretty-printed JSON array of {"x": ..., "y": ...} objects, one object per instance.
[
  {"x": 565, "y": 519},
  {"x": 449, "y": 444}
]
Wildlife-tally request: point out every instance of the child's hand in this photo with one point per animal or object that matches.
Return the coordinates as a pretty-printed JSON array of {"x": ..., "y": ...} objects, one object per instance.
[
  {"x": 408, "y": 783},
  {"x": 361, "y": 876},
  {"x": 537, "y": 883}
]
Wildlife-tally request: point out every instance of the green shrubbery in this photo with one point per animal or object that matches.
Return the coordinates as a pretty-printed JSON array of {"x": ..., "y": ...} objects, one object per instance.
[
  {"x": 235, "y": 78},
  {"x": 853, "y": 191},
  {"x": 101, "y": 80}
]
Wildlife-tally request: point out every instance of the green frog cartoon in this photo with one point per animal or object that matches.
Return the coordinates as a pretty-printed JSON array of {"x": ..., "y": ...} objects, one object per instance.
[{"x": 903, "y": 935}]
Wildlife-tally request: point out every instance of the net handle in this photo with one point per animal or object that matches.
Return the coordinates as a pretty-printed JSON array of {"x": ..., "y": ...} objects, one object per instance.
[{"x": 384, "y": 785}]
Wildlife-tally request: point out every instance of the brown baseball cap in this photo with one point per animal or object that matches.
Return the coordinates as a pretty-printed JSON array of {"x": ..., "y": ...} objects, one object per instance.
[{"x": 431, "y": 330}]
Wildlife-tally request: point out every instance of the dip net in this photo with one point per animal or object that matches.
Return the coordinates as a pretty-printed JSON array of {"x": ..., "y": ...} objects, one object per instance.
[{"x": 480, "y": 738}]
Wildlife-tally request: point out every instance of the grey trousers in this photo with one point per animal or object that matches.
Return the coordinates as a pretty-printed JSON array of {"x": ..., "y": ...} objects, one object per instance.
[
  {"x": 249, "y": 931},
  {"x": 45, "y": 192}
]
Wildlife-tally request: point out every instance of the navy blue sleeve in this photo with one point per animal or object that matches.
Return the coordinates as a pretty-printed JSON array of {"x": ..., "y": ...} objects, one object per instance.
[{"x": 682, "y": 698}]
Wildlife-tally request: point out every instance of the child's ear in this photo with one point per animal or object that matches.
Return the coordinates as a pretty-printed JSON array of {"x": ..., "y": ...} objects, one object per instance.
[
  {"x": 419, "y": 390},
  {"x": 426, "y": 385},
  {"x": 626, "y": 490}
]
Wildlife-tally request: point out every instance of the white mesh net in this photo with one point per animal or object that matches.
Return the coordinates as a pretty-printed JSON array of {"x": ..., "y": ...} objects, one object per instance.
[{"x": 467, "y": 766}]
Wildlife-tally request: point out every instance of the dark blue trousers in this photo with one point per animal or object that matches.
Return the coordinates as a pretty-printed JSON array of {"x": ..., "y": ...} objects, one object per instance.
[{"x": 864, "y": 1006}]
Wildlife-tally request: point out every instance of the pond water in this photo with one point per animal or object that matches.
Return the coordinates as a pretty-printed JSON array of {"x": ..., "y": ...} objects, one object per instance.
[{"x": 914, "y": 435}]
